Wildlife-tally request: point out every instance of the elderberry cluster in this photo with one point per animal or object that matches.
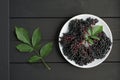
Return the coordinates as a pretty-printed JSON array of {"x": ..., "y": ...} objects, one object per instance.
[{"x": 72, "y": 42}]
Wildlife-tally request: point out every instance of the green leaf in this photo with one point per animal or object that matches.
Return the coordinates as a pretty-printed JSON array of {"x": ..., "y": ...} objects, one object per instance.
[
  {"x": 97, "y": 29},
  {"x": 90, "y": 41},
  {"x": 95, "y": 37},
  {"x": 22, "y": 35},
  {"x": 37, "y": 47},
  {"x": 36, "y": 37},
  {"x": 90, "y": 31},
  {"x": 86, "y": 36},
  {"x": 24, "y": 48},
  {"x": 46, "y": 49},
  {"x": 34, "y": 58}
]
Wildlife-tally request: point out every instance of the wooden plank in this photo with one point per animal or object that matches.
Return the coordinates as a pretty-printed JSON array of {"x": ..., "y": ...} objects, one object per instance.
[
  {"x": 56, "y": 55},
  {"x": 4, "y": 66},
  {"x": 50, "y": 27},
  {"x": 63, "y": 8},
  {"x": 64, "y": 71}
]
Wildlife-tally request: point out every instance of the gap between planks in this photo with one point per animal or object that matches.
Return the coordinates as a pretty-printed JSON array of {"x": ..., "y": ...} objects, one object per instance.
[
  {"x": 57, "y": 62},
  {"x": 51, "y": 17}
]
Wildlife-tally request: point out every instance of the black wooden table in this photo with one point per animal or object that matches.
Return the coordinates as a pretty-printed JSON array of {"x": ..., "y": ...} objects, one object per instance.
[{"x": 50, "y": 15}]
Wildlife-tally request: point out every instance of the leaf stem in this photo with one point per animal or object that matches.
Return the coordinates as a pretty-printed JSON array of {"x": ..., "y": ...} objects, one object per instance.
[
  {"x": 43, "y": 61},
  {"x": 37, "y": 53},
  {"x": 46, "y": 65}
]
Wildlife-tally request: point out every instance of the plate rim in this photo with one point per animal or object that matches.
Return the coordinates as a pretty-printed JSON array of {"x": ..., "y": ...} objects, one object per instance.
[{"x": 85, "y": 66}]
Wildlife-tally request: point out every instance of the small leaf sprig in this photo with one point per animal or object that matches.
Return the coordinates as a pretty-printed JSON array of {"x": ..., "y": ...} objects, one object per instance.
[
  {"x": 92, "y": 33},
  {"x": 33, "y": 45}
]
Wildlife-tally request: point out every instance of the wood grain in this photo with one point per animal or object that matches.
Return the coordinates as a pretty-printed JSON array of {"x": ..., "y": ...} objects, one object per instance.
[
  {"x": 64, "y": 71},
  {"x": 4, "y": 22},
  {"x": 63, "y": 8},
  {"x": 50, "y": 16}
]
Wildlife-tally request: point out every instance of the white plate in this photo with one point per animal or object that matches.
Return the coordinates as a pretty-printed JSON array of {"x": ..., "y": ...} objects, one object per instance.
[{"x": 105, "y": 29}]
